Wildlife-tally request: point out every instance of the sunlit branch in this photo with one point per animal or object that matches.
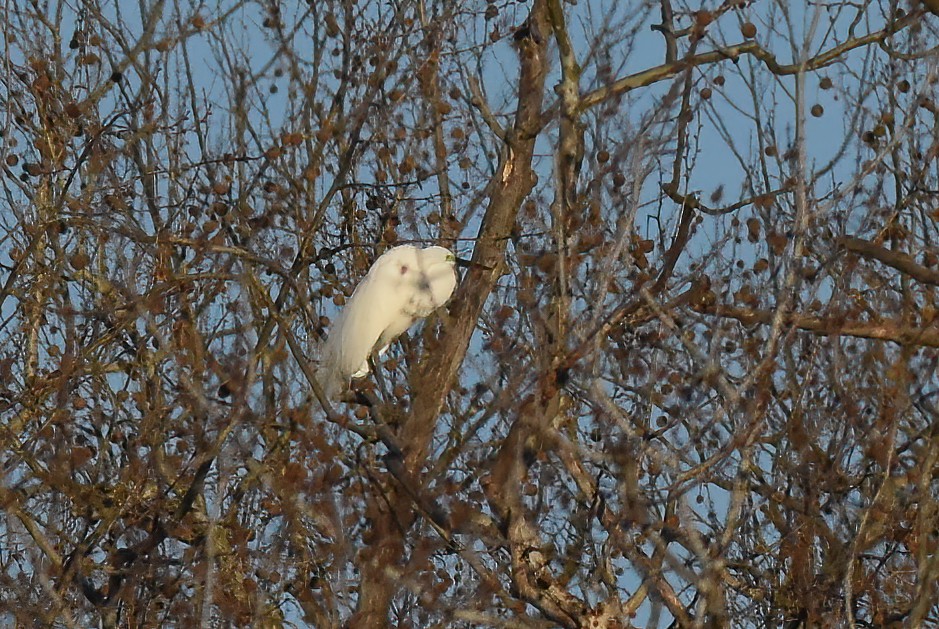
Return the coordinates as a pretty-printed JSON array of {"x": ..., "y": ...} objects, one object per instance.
[{"x": 733, "y": 53}]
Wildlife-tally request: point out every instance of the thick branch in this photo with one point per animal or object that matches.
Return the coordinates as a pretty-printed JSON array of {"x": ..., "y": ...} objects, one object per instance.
[
  {"x": 509, "y": 187},
  {"x": 668, "y": 70},
  {"x": 432, "y": 378},
  {"x": 531, "y": 572},
  {"x": 888, "y": 330},
  {"x": 900, "y": 261}
]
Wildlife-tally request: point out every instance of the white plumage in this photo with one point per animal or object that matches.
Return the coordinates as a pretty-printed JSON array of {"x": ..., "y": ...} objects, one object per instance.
[{"x": 404, "y": 284}]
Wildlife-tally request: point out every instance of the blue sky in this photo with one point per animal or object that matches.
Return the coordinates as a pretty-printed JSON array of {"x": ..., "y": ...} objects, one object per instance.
[{"x": 728, "y": 115}]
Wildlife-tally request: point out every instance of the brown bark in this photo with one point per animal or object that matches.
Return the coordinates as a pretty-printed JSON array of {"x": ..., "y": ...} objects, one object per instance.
[
  {"x": 888, "y": 330},
  {"x": 896, "y": 259},
  {"x": 433, "y": 377}
]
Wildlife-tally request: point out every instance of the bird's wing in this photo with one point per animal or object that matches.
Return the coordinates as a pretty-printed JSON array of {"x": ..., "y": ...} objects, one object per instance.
[{"x": 375, "y": 305}]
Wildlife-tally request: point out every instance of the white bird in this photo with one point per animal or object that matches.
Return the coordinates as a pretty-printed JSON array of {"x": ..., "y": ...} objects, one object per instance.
[{"x": 404, "y": 284}]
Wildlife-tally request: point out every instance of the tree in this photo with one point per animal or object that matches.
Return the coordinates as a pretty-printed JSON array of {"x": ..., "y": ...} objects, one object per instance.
[{"x": 690, "y": 380}]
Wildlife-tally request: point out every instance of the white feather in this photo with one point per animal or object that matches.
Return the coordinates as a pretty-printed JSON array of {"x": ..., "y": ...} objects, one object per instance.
[{"x": 404, "y": 284}]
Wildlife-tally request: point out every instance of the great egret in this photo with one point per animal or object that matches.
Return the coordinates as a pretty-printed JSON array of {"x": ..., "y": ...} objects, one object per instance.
[{"x": 404, "y": 284}]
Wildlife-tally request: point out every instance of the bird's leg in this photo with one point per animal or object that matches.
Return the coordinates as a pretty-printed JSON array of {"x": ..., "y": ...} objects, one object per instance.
[{"x": 375, "y": 365}]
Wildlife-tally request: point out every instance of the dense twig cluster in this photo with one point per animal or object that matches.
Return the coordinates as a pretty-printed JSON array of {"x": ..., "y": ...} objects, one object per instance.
[{"x": 690, "y": 381}]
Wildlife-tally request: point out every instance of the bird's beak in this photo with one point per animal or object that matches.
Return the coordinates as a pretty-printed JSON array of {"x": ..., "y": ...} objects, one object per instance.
[{"x": 469, "y": 264}]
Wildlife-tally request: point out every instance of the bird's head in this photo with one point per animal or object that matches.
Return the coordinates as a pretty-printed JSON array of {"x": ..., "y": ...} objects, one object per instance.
[{"x": 435, "y": 255}]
